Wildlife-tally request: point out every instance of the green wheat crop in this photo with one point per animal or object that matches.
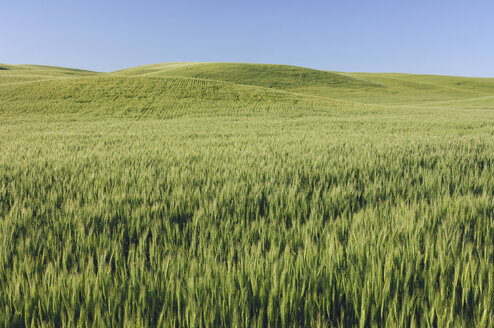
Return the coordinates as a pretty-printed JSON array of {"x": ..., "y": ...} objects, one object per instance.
[{"x": 193, "y": 200}]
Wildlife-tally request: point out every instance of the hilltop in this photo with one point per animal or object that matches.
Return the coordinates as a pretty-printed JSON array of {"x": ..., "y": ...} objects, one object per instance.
[{"x": 26, "y": 73}]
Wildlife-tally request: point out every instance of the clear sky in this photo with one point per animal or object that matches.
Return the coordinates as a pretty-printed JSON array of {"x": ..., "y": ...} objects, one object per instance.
[{"x": 434, "y": 36}]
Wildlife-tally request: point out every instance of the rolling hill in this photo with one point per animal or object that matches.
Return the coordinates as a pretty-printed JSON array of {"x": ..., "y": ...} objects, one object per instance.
[
  {"x": 172, "y": 89},
  {"x": 154, "y": 96},
  {"x": 376, "y": 88},
  {"x": 25, "y": 73}
]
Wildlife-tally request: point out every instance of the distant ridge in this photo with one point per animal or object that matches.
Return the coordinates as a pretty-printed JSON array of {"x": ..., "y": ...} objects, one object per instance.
[
  {"x": 178, "y": 88},
  {"x": 384, "y": 88}
]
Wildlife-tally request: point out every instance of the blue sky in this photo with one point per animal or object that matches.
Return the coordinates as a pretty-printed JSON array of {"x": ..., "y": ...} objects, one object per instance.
[{"x": 434, "y": 36}]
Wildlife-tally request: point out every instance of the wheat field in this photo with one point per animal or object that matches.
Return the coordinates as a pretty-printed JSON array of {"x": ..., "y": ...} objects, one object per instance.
[{"x": 242, "y": 195}]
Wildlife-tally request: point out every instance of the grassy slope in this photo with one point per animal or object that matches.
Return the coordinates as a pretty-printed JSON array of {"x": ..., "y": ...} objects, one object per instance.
[
  {"x": 23, "y": 73},
  {"x": 305, "y": 211},
  {"x": 359, "y": 87},
  {"x": 148, "y": 91},
  {"x": 154, "y": 96},
  {"x": 416, "y": 88},
  {"x": 271, "y": 76},
  {"x": 281, "y": 77},
  {"x": 386, "y": 89},
  {"x": 172, "y": 89}
]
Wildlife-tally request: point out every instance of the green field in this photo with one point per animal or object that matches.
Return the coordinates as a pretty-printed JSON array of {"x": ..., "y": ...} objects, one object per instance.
[{"x": 218, "y": 195}]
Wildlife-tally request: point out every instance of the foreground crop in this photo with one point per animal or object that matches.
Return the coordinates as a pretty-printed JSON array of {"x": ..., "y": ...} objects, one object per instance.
[{"x": 297, "y": 221}]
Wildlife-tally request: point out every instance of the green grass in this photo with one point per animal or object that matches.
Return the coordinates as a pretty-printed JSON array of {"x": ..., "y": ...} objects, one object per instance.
[
  {"x": 271, "y": 76},
  {"x": 25, "y": 73},
  {"x": 155, "y": 97},
  {"x": 186, "y": 195},
  {"x": 394, "y": 89}
]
